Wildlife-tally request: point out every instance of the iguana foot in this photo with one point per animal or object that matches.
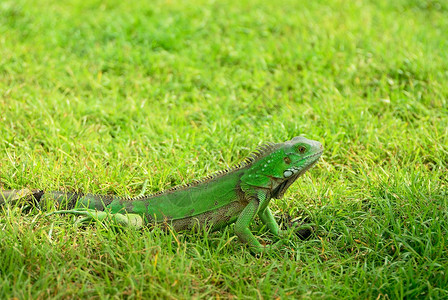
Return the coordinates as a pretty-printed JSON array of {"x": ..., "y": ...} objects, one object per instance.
[{"x": 90, "y": 215}]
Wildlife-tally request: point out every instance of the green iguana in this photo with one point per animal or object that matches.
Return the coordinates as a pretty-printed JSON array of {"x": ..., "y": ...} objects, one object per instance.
[{"x": 235, "y": 195}]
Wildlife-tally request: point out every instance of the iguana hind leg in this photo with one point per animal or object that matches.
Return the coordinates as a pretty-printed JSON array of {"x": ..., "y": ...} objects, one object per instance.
[{"x": 89, "y": 215}]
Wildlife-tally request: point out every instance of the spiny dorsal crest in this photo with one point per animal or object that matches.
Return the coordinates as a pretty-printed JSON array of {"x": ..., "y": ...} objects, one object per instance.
[{"x": 259, "y": 152}]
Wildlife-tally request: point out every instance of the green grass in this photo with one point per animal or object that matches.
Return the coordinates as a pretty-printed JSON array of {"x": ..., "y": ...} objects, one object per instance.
[{"x": 100, "y": 96}]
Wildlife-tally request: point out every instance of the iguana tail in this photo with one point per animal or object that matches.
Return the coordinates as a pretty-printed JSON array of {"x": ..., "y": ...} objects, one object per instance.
[
  {"x": 12, "y": 196},
  {"x": 63, "y": 200}
]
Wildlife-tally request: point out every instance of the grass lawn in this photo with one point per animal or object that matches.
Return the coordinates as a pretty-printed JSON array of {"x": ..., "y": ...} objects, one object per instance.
[{"x": 114, "y": 96}]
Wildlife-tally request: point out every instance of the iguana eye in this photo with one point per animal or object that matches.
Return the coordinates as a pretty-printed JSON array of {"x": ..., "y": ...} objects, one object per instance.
[
  {"x": 301, "y": 149},
  {"x": 287, "y": 160}
]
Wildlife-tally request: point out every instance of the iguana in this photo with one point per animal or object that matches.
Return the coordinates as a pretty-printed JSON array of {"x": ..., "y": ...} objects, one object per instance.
[{"x": 235, "y": 195}]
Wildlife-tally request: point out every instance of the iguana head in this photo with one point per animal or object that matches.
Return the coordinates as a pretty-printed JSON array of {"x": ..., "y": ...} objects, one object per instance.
[
  {"x": 299, "y": 154},
  {"x": 277, "y": 166}
]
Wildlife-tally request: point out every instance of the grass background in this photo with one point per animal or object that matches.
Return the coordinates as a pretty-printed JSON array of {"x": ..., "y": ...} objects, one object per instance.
[{"x": 100, "y": 96}]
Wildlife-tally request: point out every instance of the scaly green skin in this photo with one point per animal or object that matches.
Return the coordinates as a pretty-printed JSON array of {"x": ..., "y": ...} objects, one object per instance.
[{"x": 235, "y": 195}]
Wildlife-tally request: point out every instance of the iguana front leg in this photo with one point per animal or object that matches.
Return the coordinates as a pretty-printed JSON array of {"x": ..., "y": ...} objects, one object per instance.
[
  {"x": 245, "y": 218},
  {"x": 266, "y": 216},
  {"x": 268, "y": 219},
  {"x": 242, "y": 226}
]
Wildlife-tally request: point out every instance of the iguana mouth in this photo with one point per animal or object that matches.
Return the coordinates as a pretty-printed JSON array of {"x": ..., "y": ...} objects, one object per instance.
[{"x": 314, "y": 155}]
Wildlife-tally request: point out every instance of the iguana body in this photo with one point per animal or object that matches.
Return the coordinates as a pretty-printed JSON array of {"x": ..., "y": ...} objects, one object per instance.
[{"x": 234, "y": 195}]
